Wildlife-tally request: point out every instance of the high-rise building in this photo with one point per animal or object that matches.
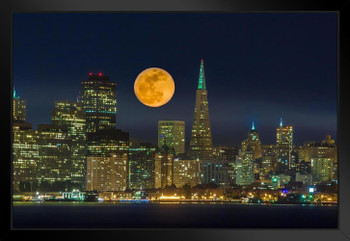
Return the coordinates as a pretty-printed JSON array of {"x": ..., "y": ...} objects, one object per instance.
[
  {"x": 218, "y": 172},
  {"x": 71, "y": 115},
  {"x": 201, "y": 139},
  {"x": 105, "y": 142},
  {"x": 172, "y": 134},
  {"x": 19, "y": 108},
  {"x": 107, "y": 173},
  {"x": 323, "y": 159},
  {"x": 245, "y": 167},
  {"x": 25, "y": 158},
  {"x": 141, "y": 166},
  {"x": 55, "y": 154},
  {"x": 253, "y": 142},
  {"x": 163, "y": 167},
  {"x": 284, "y": 144},
  {"x": 98, "y": 95},
  {"x": 186, "y": 172}
]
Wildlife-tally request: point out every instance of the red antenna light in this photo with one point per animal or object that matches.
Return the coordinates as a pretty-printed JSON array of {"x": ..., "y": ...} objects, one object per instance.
[
  {"x": 99, "y": 74},
  {"x": 90, "y": 73}
]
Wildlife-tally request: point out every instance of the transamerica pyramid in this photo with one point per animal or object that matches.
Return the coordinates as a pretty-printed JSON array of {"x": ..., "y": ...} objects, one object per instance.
[{"x": 201, "y": 140}]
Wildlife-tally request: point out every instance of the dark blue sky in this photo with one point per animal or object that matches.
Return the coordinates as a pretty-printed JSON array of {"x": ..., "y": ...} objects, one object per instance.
[{"x": 259, "y": 67}]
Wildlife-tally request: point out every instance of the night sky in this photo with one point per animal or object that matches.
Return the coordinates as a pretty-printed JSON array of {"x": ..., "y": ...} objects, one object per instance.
[{"x": 259, "y": 67}]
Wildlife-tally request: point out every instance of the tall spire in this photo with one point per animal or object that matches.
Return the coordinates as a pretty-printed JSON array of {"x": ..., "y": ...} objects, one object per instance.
[
  {"x": 201, "y": 146},
  {"x": 253, "y": 126},
  {"x": 201, "y": 79},
  {"x": 281, "y": 123}
]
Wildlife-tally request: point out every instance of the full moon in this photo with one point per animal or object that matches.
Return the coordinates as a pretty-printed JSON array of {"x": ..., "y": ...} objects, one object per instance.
[{"x": 154, "y": 87}]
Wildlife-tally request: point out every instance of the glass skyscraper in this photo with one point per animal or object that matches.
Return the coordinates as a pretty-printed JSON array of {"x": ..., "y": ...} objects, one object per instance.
[{"x": 98, "y": 95}]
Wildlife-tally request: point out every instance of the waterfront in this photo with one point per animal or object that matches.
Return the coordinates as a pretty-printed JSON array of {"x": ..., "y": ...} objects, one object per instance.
[{"x": 78, "y": 215}]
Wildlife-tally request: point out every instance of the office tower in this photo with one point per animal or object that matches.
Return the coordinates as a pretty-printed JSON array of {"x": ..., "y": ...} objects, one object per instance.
[
  {"x": 104, "y": 142},
  {"x": 98, "y": 95},
  {"x": 321, "y": 152},
  {"x": 218, "y": 172},
  {"x": 107, "y": 173},
  {"x": 71, "y": 115},
  {"x": 25, "y": 159},
  {"x": 141, "y": 166},
  {"x": 163, "y": 167},
  {"x": 18, "y": 108},
  {"x": 172, "y": 134},
  {"x": 55, "y": 154},
  {"x": 253, "y": 142},
  {"x": 244, "y": 167},
  {"x": 284, "y": 144},
  {"x": 226, "y": 157},
  {"x": 186, "y": 172},
  {"x": 201, "y": 139}
]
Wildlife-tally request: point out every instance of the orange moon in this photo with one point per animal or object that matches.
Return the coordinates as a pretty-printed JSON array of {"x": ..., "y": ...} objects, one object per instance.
[{"x": 154, "y": 87}]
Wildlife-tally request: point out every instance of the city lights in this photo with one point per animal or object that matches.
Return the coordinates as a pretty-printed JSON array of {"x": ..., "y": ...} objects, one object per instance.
[{"x": 82, "y": 156}]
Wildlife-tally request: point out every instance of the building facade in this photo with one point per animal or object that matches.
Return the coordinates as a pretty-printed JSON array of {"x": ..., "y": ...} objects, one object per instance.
[
  {"x": 71, "y": 115},
  {"x": 108, "y": 173},
  {"x": 98, "y": 95},
  {"x": 186, "y": 172},
  {"x": 141, "y": 166},
  {"x": 163, "y": 167},
  {"x": 172, "y": 134},
  {"x": 284, "y": 144}
]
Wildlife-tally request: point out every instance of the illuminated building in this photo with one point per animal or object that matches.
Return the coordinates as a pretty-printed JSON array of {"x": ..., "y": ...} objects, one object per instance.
[
  {"x": 105, "y": 142},
  {"x": 25, "y": 147},
  {"x": 18, "y": 108},
  {"x": 71, "y": 116},
  {"x": 284, "y": 144},
  {"x": 55, "y": 154},
  {"x": 268, "y": 163},
  {"x": 108, "y": 173},
  {"x": 322, "y": 169},
  {"x": 98, "y": 95},
  {"x": 25, "y": 158},
  {"x": 324, "y": 155},
  {"x": 326, "y": 149},
  {"x": 201, "y": 139},
  {"x": 226, "y": 156},
  {"x": 224, "y": 153},
  {"x": 218, "y": 172},
  {"x": 172, "y": 133},
  {"x": 186, "y": 172},
  {"x": 244, "y": 168},
  {"x": 253, "y": 142},
  {"x": 141, "y": 166},
  {"x": 163, "y": 167}
]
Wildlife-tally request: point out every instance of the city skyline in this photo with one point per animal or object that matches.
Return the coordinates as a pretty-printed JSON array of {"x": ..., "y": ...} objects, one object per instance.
[{"x": 233, "y": 102}]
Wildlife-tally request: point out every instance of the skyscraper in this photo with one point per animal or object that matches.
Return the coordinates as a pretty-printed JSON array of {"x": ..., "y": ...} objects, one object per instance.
[
  {"x": 201, "y": 141},
  {"x": 141, "y": 166},
  {"x": 253, "y": 142},
  {"x": 284, "y": 144},
  {"x": 244, "y": 168},
  {"x": 163, "y": 167},
  {"x": 71, "y": 115},
  {"x": 172, "y": 133},
  {"x": 98, "y": 95}
]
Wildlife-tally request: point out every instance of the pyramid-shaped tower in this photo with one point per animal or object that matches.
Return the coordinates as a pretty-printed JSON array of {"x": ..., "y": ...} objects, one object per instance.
[{"x": 201, "y": 141}]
